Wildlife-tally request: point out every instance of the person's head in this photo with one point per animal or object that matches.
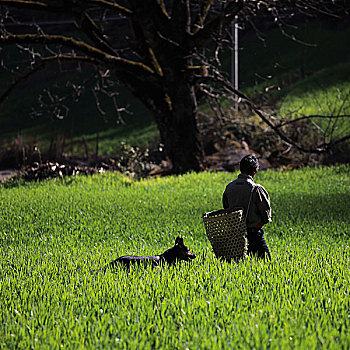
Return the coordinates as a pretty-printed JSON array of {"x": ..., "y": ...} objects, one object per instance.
[{"x": 249, "y": 165}]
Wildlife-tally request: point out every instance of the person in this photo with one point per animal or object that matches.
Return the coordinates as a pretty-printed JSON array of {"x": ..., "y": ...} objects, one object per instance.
[{"x": 255, "y": 201}]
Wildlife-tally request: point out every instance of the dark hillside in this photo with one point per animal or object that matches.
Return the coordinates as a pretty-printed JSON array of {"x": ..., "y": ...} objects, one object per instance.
[
  {"x": 276, "y": 63},
  {"x": 275, "y": 58}
]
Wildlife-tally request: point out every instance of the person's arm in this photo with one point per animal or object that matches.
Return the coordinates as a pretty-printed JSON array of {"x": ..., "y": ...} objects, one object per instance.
[
  {"x": 224, "y": 201},
  {"x": 263, "y": 206}
]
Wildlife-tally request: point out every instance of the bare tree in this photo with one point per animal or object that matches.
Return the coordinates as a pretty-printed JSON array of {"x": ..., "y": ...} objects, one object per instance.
[{"x": 158, "y": 53}]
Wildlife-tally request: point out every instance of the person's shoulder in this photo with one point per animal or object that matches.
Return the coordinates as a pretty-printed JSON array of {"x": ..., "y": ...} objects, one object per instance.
[
  {"x": 228, "y": 186},
  {"x": 231, "y": 183},
  {"x": 261, "y": 195},
  {"x": 260, "y": 188}
]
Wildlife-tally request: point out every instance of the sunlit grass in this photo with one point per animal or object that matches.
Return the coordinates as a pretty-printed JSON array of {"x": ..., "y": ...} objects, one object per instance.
[
  {"x": 327, "y": 93},
  {"x": 55, "y": 234}
]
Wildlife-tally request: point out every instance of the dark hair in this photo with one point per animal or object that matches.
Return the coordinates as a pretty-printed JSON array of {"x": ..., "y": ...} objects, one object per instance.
[{"x": 249, "y": 164}]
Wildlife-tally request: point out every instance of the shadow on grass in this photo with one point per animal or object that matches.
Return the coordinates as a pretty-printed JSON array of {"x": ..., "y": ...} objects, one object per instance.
[{"x": 314, "y": 211}]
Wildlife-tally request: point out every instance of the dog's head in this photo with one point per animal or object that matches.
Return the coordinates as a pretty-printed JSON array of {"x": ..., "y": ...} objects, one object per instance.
[
  {"x": 178, "y": 252},
  {"x": 181, "y": 251}
]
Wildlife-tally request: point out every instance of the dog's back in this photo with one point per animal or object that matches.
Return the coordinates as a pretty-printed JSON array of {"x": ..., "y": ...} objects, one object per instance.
[
  {"x": 128, "y": 260},
  {"x": 177, "y": 253}
]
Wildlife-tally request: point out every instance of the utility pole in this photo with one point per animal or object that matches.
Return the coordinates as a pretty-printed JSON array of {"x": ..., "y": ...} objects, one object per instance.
[{"x": 234, "y": 60}]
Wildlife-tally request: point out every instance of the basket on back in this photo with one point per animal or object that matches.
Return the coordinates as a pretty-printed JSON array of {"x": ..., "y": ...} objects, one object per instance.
[{"x": 226, "y": 230}]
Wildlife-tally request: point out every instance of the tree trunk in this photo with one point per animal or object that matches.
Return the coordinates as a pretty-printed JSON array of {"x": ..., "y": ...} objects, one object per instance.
[
  {"x": 174, "y": 106},
  {"x": 179, "y": 131}
]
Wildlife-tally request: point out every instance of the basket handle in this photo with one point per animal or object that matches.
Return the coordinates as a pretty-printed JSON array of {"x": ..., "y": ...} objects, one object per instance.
[
  {"x": 220, "y": 212},
  {"x": 250, "y": 198}
]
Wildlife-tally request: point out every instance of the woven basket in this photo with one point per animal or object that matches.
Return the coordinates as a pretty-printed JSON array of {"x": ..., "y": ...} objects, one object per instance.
[{"x": 227, "y": 232}]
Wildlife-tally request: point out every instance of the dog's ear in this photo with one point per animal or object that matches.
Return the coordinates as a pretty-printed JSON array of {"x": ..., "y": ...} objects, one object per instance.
[{"x": 179, "y": 241}]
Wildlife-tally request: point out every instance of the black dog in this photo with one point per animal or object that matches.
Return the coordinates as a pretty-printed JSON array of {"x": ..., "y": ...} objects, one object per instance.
[{"x": 178, "y": 252}]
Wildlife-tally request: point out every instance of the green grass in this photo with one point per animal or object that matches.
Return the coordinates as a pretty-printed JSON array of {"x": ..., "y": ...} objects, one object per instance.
[
  {"x": 277, "y": 64},
  {"x": 142, "y": 135},
  {"x": 280, "y": 60},
  {"x": 326, "y": 93},
  {"x": 54, "y": 233}
]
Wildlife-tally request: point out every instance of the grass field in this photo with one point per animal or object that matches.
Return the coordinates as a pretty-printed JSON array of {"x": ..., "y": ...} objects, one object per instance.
[{"x": 54, "y": 233}]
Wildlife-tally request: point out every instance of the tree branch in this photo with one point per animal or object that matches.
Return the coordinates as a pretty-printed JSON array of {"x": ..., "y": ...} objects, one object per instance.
[
  {"x": 44, "y": 62},
  {"x": 110, "y": 5},
  {"x": 319, "y": 9},
  {"x": 148, "y": 30},
  {"x": 22, "y": 79},
  {"x": 343, "y": 139},
  {"x": 179, "y": 15},
  {"x": 162, "y": 6},
  {"x": 42, "y": 6},
  {"x": 32, "y": 5},
  {"x": 225, "y": 16},
  {"x": 119, "y": 63},
  {"x": 312, "y": 116},
  {"x": 91, "y": 29},
  {"x": 156, "y": 14},
  {"x": 202, "y": 15},
  {"x": 317, "y": 150}
]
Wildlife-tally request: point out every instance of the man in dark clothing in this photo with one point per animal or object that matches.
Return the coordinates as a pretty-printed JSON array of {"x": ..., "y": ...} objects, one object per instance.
[{"x": 254, "y": 200}]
